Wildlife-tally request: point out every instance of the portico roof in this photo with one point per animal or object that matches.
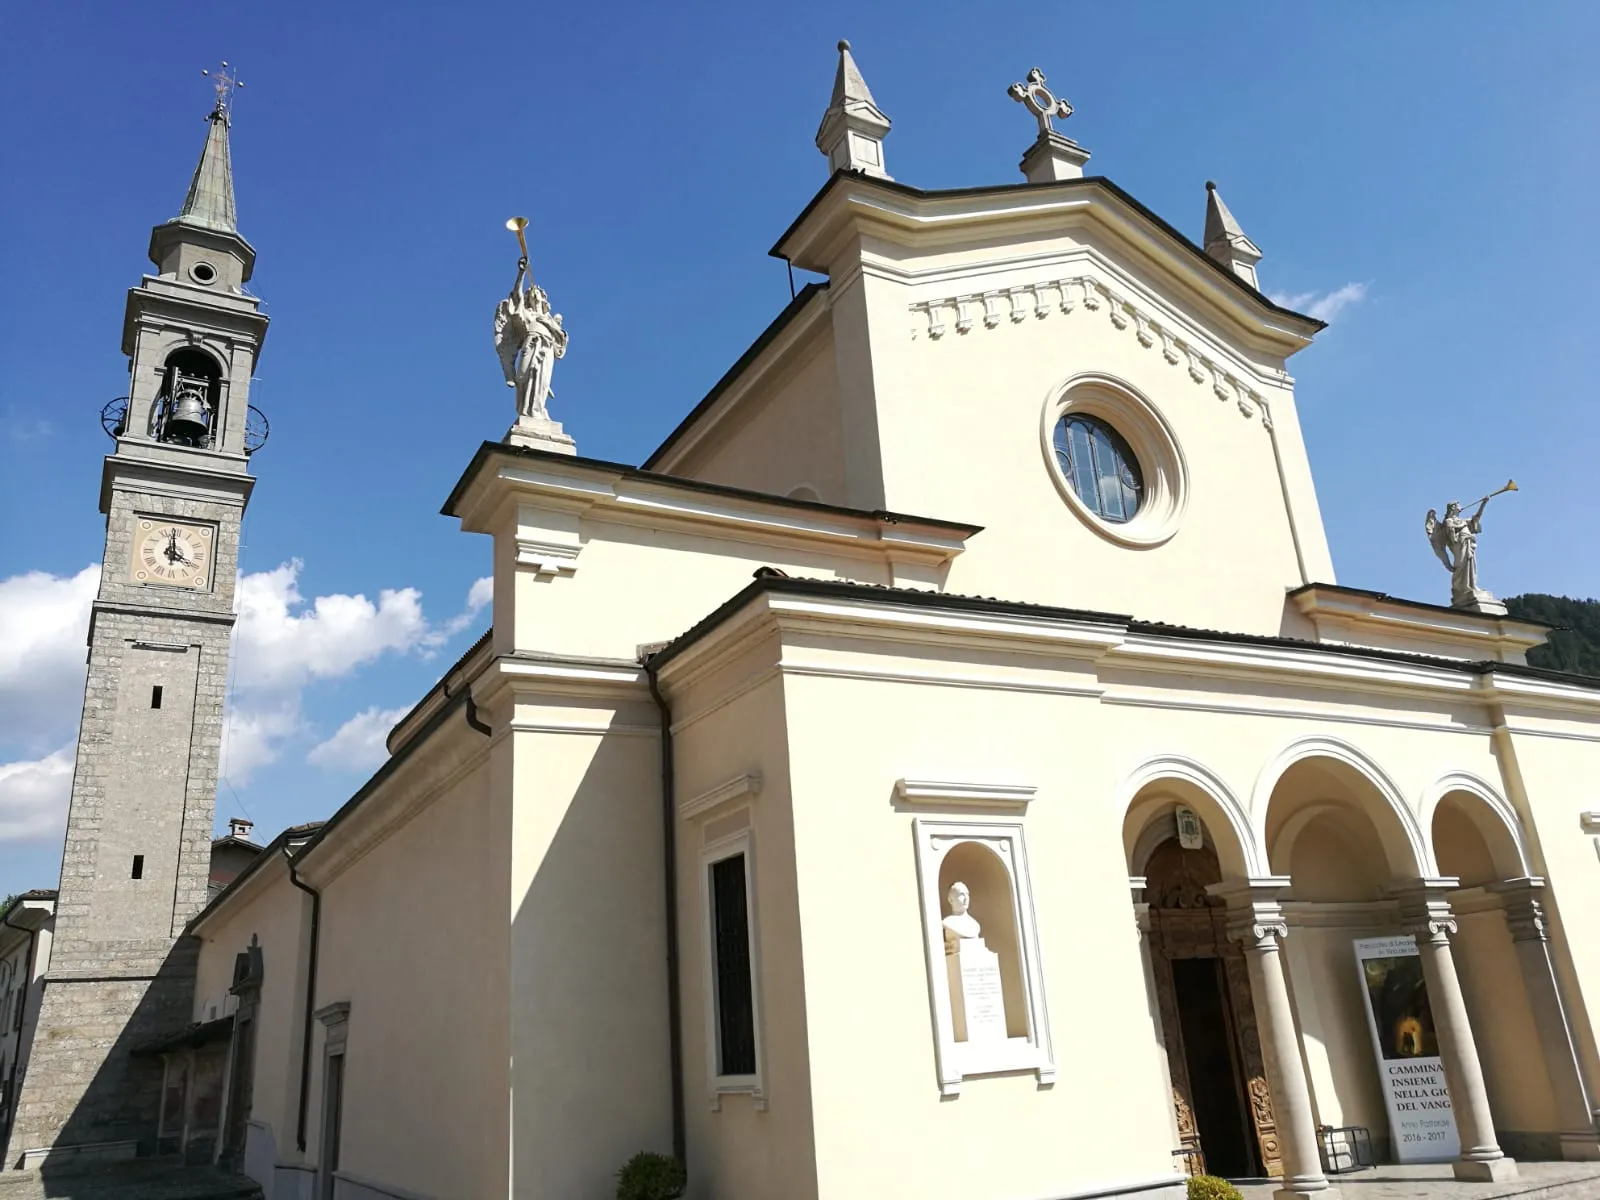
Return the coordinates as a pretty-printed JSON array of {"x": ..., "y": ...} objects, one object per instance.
[{"x": 1112, "y": 622}]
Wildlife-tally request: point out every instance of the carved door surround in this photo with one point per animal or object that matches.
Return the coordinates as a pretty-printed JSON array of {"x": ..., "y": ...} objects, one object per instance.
[{"x": 1186, "y": 922}]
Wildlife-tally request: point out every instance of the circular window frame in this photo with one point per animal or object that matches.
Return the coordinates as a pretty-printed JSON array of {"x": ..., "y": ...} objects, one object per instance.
[
  {"x": 204, "y": 280},
  {"x": 1149, "y": 437}
]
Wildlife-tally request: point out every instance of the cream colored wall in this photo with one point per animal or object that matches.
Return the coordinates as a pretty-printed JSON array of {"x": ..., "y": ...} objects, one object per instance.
[
  {"x": 1551, "y": 780},
  {"x": 637, "y": 584},
  {"x": 881, "y": 1126},
  {"x": 960, "y": 420},
  {"x": 588, "y": 1030},
  {"x": 738, "y": 1150},
  {"x": 855, "y": 726},
  {"x": 1502, "y": 1023},
  {"x": 278, "y": 915},
  {"x": 1330, "y": 1009},
  {"x": 410, "y": 941},
  {"x": 785, "y": 433}
]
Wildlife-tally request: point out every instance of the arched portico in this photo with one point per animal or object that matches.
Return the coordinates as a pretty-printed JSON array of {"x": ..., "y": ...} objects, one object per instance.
[
  {"x": 1361, "y": 864},
  {"x": 1222, "y": 1017},
  {"x": 1539, "y": 1102}
]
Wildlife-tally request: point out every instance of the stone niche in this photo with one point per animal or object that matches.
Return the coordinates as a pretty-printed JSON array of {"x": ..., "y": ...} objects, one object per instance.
[{"x": 983, "y": 951}]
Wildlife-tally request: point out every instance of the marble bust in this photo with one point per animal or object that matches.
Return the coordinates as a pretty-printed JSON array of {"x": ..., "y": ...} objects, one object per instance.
[{"x": 960, "y": 924}]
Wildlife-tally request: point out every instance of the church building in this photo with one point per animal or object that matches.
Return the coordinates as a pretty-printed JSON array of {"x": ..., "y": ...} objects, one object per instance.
[{"x": 947, "y": 768}]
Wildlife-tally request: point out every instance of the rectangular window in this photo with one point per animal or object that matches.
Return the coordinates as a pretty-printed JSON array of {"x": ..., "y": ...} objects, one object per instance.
[
  {"x": 138, "y": 866},
  {"x": 155, "y": 696},
  {"x": 735, "y": 1007}
]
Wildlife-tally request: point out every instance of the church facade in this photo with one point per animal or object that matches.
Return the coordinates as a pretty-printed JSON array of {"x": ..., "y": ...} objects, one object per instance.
[{"x": 758, "y": 831}]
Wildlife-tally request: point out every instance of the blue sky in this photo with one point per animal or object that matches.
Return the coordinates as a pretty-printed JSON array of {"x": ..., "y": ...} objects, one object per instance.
[{"x": 1433, "y": 166}]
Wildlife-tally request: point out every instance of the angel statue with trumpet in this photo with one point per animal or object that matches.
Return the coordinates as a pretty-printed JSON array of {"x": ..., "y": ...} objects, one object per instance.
[
  {"x": 528, "y": 337},
  {"x": 1455, "y": 541}
]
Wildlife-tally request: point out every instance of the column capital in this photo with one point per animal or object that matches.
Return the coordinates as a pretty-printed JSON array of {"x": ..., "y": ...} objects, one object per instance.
[
  {"x": 1524, "y": 907},
  {"x": 1425, "y": 910},
  {"x": 1255, "y": 909}
]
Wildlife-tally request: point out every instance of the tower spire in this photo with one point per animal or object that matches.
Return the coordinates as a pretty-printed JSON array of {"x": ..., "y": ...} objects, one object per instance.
[
  {"x": 853, "y": 128},
  {"x": 208, "y": 224},
  {"x": 210, "y": 199},
  {"x": 1226, "y": 242}
]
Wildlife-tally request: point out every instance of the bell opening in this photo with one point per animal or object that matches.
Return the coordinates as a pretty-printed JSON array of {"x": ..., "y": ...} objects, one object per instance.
[{"x": 186, "y": 413}]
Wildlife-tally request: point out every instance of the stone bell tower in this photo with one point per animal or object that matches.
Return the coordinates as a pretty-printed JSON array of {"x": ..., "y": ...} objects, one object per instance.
[{"x": 139, "y": 830}]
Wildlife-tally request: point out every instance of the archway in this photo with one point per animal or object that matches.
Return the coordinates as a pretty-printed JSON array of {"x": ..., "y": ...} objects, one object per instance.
[
  {"x": 1337, "y": 827},
  {"x": 1503, "y": 964},
  {"x": 1183, "y": 833}
]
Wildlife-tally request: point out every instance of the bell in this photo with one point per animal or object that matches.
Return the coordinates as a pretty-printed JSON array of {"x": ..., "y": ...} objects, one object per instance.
[{"x": 190, "y": 417}]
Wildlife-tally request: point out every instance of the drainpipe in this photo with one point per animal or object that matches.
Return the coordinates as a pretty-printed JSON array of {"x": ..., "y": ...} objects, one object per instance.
[
  {"x": 311, "y": 998},
  {"x": 22, "y": 1022},
  {"x": 669, "y": 864}
]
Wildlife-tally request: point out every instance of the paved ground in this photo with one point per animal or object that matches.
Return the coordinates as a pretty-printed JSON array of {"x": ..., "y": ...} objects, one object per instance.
[
  {"x": 1557, "y": 1181},
  {"x": 144, "y": 1179}
]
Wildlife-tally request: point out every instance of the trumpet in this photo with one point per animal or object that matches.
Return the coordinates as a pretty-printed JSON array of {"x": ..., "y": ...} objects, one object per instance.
[
  {"x": 1511, "y": 486},
  {"x": 517, "y": 225}
]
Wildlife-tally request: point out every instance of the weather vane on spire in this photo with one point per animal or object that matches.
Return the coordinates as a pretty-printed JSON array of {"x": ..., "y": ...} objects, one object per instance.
[
  {"x": 226, "y": 83},
  {"x": 1039, "y": 100}
]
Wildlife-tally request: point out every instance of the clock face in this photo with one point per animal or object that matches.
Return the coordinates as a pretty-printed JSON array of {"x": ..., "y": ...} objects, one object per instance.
[{"x": 171, "y": 553}]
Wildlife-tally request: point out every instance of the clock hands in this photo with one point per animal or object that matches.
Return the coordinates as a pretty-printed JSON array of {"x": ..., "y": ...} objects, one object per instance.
[{"x": 173, "y": 554}]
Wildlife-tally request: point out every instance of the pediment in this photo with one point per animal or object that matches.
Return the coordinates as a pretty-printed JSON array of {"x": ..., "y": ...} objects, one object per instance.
[{"x": 853, "y": 214}]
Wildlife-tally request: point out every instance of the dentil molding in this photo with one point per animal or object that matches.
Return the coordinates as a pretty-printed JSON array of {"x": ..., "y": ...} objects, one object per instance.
[{"x": 1039, "y": 300}]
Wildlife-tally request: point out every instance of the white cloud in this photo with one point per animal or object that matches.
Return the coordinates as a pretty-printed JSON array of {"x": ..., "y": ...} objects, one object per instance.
[
  {"x": 358, "y": 745},
  {"x": 33, "y": 796},
  {"x": 1324, "y": 306},
  {"x": 253, "y": 733},
  {"x": 478, "y": 597},
  {"x": 283, "y": 642},
  {"x": 44, "y": 626}
]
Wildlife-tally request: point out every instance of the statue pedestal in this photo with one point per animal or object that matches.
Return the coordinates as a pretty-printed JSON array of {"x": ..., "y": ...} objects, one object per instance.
[
  {"x": 977, "y": 1001},
  {"x": 540, "y": 433},
  {"x": 1479, "y": 601}
]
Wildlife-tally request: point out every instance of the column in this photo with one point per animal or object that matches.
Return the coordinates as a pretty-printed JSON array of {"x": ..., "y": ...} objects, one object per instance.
[
  {"x": 1256, "y": 921},
  {"x": 1427, "y": 914},
  {"x": 1526, "y": 920}
]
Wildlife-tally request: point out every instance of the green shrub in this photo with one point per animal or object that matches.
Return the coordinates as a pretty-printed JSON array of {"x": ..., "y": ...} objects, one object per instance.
[
  {"x": 651, "y": 1177},
  {"x": 1209, "y": 1187}
]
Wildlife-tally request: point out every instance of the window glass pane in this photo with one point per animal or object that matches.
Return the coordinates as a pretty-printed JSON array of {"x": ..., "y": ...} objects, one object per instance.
[
  {"x": 1107, "y": 476},
  {"x": 1083, "y": 465},
  {"x": 730, "y": 923},
  {"x": 1063, "y": 449},
  {"x": 1099, "y": 467}
]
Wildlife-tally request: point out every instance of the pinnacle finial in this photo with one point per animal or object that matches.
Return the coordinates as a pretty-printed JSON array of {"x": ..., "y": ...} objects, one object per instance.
[
  {"x": 853, "y": 127},
  {"x": 226, "y": 83},
  {"x": 1225, "y": 241}
]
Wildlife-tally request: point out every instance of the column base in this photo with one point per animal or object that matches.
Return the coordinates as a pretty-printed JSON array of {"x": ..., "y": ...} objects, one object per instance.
[
  {"x": 1307, "y": 1191},
  {"x": 1494, "y": 1170}
]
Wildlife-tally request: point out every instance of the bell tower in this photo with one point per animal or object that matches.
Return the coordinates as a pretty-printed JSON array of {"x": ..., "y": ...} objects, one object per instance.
[{"x": 139, "y": 829}]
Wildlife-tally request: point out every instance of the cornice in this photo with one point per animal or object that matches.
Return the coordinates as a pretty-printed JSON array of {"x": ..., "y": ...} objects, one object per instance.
[
  {"x": 740, "y": 786},
  {"x": 1348, "y": 611},
  {"x": 964, "y": 311},
  {"x": 927, "y": 793},
  {"x": 622, "y": 496},
  {"x": 850, "y": 206}
]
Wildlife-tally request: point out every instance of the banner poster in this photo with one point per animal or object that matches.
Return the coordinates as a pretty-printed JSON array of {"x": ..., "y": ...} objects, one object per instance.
[{"x": 1421, "y": 1120}]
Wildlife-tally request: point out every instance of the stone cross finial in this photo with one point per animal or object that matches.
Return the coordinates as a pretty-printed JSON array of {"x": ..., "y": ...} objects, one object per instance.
[{"x": 1040, "y": 100}]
